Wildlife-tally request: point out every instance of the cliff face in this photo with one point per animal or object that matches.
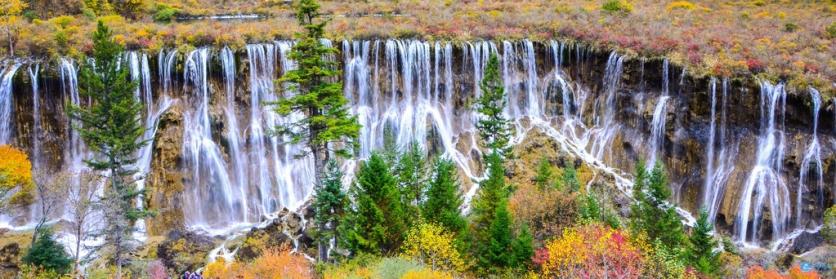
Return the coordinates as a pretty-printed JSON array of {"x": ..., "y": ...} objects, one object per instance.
[{"x": 215, "y": 166}]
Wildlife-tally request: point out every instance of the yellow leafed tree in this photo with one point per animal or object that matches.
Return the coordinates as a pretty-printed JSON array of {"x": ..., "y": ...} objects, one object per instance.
[
  {"x": 430, "y": 244},
  {"x": 16, "y": 184},
  {"x": 10, "y": 11}
]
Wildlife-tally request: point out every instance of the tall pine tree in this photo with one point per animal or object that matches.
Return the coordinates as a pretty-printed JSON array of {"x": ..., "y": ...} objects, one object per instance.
[
  {"x": 329, "y": 207},
  {"x": 111, "y": 127},
  {"x": 492, "y": 192},
  {"x": 497, "y": 252},
  {"x": 651, "y": 212},
  {"x": 411, "y": 170},
  {"x": 493, "y": 127},
  {"x": 701, "y": 254},
  {"x": 376, "y": 223},
  {"x": 444, "y": 199},
  {"x": 327, "y": 125}
]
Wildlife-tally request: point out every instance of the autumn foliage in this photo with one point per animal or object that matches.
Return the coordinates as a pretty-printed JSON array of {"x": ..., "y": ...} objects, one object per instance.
[
  {"x": 273, "y": 263},
  {"x": 431, "y": 245},
  {"x": 16, "y": 184},
  {"x": 757, "y": 272},
  {"x": 591, "y": 251}
]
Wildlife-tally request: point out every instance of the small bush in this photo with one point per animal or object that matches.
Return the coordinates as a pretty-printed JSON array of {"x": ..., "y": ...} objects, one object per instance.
[
  {"x": 395, "y": 268},
  {"x": 790, "y": 27},
  {"x": 48, "y": 254},
  {"x": 681, "y": 5},
  {"x": 831, "y": 30},
  {"x": 165, "y": 13},
  {"x": 427, "y": 274},
  {"x": 274, "y": 263},
  {"x": 617, "y": 6}
]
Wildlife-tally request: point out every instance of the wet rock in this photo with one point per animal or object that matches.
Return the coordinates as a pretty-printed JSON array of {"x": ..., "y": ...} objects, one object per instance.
[
  {"x": 165, "y": 180},
  {"x": 185, "y": 251},
  {"x": 288, "y": 228},
  {"x": 806, "y": 241},
  {"x": 10, "y": 255}
]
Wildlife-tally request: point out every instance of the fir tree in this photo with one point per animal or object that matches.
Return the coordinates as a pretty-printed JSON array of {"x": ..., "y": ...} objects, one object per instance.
[
  {"x": 327, "y": 124},
  {"x": 376, "y": 224},
  {"x": 590, "y": 209},
  {"x": 411, "y": 171},
  {"x": 543, "y": 178},
  {"x": 701, "y": 253},
  {"x": 523, "y": 247},
  {"x": 569, "y": 179},
  {"x": 329, "y": 204},
  {"x": 651, "y": 213},
  {"x": 498, "y": 250},
  {"x": 492, "y": 191},
  {"x": 111, "y": 127},
  {"x": 493, "y": 127},
  {"x": 48, "y": 254},
  {"x": 444, "y": 199}
]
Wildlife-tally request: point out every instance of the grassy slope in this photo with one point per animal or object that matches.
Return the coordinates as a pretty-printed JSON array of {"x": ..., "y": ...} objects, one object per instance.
[{"x": 773, "y": 39}]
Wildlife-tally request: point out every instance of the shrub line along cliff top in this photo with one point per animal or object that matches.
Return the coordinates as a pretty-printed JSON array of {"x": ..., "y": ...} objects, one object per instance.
[{"x": 789, "y": 40}]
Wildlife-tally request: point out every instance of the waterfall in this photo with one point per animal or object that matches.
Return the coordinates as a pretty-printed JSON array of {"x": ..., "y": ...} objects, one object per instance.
[
  {"x": 233, "y": 133},
  {"x": 657, "y": 126},
  {"x": 165, "y": 67},
  {"x": 657, "y": 130},
  {"x": 720, "y": 165},
  {"x": 765, "y": 184},
  {"x": 209, "y": 200},
  {"x": 261, "y": 58},
  {"x": 34, "y": 71},
  {"x": 811, "y": 172},
  {"x": 74, "y": 149},
  {"x": 7, "y": 74},
  {"x": 605, "y": 125}
]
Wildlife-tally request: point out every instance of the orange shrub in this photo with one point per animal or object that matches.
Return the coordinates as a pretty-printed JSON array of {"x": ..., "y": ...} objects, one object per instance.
[
  {"x": 757, "y": 272},
  {"x": 274, "y": 263}
]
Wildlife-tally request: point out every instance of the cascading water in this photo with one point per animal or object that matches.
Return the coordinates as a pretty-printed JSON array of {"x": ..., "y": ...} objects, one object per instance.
[
  {"x": 657, "y": 130},
  {"x": 34, "y": 71},
  {"x": 237, "y": 172},
  {"x": 720, "y": 165},
  {"x": 233, "y": 132},
  {"x": 605, "y": 125},
  {"x": 7, "y": 101},
  {"x": 765, "y": 187},
  {"x": 812, "y": 171},
  {"x": 209, "y": 202},
  {"x": 74, "y": 149},
  {"x": 657, "y": 126}
]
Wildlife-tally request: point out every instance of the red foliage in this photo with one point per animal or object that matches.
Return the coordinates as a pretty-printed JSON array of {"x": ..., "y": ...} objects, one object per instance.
[{"x": 754, "y": 65}]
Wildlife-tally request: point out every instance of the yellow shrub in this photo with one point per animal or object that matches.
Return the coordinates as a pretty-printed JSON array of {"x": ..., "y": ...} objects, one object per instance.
[
  {"x": 681, "y": 5},
  {"x": 426, "y": 274},
  {"x": 430, "y": 244},
  {"x": 15, "y": 176}
]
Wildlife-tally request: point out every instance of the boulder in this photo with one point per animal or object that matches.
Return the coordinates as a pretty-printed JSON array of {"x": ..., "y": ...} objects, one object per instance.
[{"x": 185, "y": 251}]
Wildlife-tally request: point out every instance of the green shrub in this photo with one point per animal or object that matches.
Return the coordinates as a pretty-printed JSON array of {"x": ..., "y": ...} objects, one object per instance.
[
  {"x": 790, "y": 27},
  {"x": 395, "y": 268},
  {"x": 831, "y": 30},
  {"x": 617, "y": 6},
  {"x": 165, "y": 13},
  {"x": 48, "y": 254}
]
